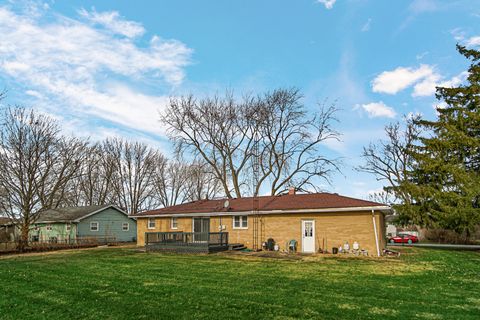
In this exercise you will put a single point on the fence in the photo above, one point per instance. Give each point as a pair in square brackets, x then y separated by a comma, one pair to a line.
[54, 244]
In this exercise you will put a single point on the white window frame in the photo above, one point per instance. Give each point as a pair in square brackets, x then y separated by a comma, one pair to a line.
[91, 225]
[172, 220]
[48, 227]
[68, 227]
[241, 219]
[125, 224]
[149, 225]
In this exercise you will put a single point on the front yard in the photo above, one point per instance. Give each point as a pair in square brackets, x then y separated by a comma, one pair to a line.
[116, 283]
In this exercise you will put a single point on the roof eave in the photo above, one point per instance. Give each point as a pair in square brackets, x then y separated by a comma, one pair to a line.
[383, 209]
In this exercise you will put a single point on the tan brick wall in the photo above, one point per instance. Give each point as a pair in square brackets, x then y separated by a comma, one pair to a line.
[331, 229]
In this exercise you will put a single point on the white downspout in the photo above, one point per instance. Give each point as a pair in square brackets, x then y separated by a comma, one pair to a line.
[376, 234]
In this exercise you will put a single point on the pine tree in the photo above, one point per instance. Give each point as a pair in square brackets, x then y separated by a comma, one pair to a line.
[445, 180]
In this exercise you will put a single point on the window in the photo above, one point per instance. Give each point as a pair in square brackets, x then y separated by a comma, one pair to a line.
[240, 222]
[125, 226]
[93, 226]
[48, 227]
[68, 227]
[151, 223]
[174, 223]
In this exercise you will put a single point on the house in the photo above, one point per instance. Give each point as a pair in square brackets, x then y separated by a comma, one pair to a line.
[8, 231]
[70, 223]
[317, 221]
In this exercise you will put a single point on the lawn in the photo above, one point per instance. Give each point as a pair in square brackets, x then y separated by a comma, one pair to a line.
[117, 283]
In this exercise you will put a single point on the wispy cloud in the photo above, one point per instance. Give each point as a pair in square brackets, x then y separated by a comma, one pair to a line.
[112, 21]
[378, 110]
[421, 6]
[90, 65]
[327, 3]
[366, 26]
[460, 35]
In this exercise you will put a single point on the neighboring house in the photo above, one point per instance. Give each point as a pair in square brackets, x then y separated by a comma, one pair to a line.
[390, 221]
[318, 221]
[79, 222]
[8, 231]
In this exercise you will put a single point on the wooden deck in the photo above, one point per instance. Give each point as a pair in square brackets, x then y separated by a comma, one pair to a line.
[186, 242]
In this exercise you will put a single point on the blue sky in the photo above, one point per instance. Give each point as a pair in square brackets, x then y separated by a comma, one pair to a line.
[105, 68]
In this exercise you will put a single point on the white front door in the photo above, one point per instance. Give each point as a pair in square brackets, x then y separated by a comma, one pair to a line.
[308, 236]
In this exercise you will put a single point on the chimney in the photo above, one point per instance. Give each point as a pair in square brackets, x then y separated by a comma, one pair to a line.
[291, 191]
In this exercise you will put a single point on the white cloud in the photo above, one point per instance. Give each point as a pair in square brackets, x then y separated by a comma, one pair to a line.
[460, 35]
[424, 79]
[327, 3]
[86, 70]
[366, 26]
[427, 86]
[396, 80]
[378, 109]
[473, 41]
[112, 21]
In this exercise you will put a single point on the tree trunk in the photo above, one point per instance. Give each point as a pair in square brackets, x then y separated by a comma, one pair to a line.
[23, 241]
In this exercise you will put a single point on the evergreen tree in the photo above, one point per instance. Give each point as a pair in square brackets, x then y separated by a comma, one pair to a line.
[445, 180]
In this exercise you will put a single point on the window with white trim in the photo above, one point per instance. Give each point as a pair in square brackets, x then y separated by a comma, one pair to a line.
[68, 227]
[174, 223]
[151, 223]
[48, 227]
[125, 226]
[240, 222]
[94, 226]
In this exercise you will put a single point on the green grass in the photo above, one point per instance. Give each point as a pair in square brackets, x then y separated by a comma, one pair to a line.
[119, 283]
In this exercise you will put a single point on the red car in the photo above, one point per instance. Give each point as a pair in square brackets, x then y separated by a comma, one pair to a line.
[403, 238]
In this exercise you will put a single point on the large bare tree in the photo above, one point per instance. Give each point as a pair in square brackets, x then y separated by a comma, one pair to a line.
[134, 167]
[95, 184]
[291, 141]
[36, 165]
[216, 130]
[223, 131]
[390, 159]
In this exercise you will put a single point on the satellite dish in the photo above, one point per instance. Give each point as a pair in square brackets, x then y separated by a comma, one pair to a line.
[226, 204]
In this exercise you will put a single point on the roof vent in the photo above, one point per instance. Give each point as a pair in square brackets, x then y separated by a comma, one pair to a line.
[291, 191]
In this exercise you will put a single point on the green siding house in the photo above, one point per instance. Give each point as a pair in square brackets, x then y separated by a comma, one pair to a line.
[71, 223]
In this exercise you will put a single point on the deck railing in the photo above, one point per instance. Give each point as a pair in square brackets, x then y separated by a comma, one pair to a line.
[172, 240]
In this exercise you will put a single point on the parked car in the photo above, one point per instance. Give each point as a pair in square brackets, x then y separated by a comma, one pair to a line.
[403, 238]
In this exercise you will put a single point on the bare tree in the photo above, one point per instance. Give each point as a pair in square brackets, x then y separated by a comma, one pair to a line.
[390, 160]
[95, 184]
[216, 130]
[134, 168]
[36, 165]
[291, 141]
[171, 182]
[222, 132]
[201, 183]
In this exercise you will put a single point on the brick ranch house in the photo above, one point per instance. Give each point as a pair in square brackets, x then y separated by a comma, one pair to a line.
[317, 221]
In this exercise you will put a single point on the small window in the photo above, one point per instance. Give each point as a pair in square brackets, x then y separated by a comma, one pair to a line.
[68, 227]
[151, 223]
[125, 226]
[174, 223]
[240, 222]
[93, 226]
[48, 227]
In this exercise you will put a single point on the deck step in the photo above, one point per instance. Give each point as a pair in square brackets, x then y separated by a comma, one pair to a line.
[236, 246]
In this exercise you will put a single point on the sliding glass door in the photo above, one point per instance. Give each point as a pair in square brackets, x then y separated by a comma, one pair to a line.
[201, 225]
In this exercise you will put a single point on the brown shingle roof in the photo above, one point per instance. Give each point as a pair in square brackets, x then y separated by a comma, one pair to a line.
[266, 203]
[5, 221]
